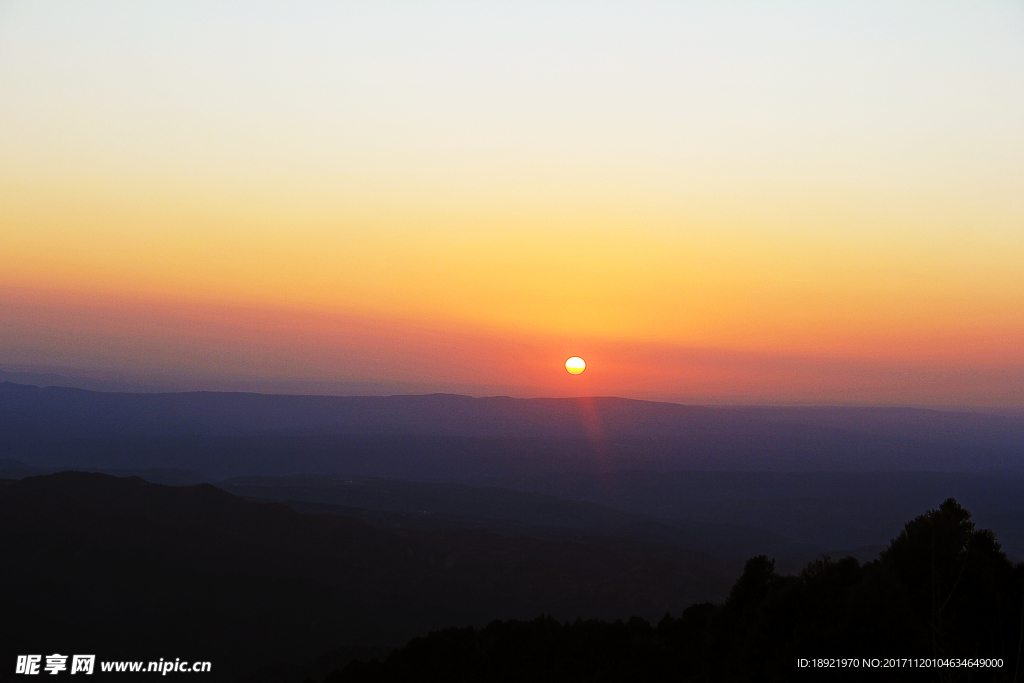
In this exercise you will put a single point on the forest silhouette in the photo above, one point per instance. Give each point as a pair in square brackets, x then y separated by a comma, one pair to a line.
[942, 590]
[131, 569]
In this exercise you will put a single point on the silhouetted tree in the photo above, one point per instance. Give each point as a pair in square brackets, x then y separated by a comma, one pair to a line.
[959, 583]
[941, 589]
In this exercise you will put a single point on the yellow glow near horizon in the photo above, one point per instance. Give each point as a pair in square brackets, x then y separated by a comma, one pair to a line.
[838, 183]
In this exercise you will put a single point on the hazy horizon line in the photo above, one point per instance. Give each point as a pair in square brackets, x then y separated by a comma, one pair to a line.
[105, 381]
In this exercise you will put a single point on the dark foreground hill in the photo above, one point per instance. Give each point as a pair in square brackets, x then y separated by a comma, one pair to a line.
[131, 570]
[792, 516]
[941, 603]
[437, 505]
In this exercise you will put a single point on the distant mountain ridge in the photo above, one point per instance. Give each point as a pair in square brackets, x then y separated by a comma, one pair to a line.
[448, 436]
[85, 412]
[602, 417]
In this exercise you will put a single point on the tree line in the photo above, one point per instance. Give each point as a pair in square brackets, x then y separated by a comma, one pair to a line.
[941, 603]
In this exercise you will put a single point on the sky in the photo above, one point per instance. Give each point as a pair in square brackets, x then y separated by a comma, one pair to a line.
[712, 202]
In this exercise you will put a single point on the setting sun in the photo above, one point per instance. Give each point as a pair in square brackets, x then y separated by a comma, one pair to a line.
[575, 365]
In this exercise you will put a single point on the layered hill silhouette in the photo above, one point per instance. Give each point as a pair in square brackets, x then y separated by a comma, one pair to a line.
[127, 569]
[444, 436]
[346, 525]
[444, 505]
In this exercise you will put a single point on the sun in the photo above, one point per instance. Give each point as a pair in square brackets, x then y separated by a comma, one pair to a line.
[575, 365]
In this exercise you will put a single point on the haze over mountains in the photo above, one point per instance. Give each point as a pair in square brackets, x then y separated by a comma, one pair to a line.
[449, 436]
[361, 521]
[816, 479]
[155, 382]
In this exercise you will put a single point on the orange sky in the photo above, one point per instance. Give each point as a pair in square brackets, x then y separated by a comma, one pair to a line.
[709, 203]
